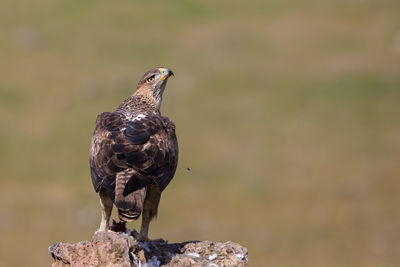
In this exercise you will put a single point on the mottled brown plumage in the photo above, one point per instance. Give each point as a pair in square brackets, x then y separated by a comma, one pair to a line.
[134, 153]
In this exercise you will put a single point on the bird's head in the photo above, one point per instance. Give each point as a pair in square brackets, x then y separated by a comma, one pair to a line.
[151, 86]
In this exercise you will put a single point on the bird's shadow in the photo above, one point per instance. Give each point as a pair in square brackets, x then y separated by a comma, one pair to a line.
[159, 250]
[162, 251]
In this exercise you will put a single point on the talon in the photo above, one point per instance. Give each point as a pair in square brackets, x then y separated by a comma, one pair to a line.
[135, 234]
[159, 240]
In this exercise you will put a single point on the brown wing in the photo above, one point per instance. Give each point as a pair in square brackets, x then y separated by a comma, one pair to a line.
[158, 158]
[147, 146]
[102, 167]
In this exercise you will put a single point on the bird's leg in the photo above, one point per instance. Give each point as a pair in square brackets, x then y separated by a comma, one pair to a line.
[106, 208]
[150, 207]
[144, 229]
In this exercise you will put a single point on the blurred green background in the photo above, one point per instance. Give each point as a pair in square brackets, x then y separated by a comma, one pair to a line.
[287, 115]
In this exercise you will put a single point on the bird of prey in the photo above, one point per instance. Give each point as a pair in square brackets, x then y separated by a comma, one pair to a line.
[134, 154]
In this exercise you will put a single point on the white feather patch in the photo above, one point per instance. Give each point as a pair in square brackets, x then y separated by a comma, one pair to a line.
[138, 117]
[146, 146]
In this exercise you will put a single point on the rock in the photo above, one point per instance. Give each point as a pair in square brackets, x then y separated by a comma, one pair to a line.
[122, 249]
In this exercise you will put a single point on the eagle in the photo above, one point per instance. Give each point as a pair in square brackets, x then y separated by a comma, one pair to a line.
[134, 154]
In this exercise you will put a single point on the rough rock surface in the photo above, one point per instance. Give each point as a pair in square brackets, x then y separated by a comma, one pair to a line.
[122, 249]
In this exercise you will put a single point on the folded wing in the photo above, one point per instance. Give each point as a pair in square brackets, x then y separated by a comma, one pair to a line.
[145, 145]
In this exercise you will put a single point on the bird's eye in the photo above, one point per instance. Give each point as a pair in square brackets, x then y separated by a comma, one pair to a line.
[150, 80]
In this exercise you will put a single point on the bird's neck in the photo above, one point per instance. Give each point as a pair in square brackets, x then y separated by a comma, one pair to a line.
[140, 102]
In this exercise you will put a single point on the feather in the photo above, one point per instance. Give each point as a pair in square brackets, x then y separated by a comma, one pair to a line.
[133, 148]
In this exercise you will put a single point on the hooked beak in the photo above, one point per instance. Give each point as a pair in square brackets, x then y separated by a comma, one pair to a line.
[165, 74]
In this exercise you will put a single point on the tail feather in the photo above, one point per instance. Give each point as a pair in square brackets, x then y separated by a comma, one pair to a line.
[128, 215]
[130, 207]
